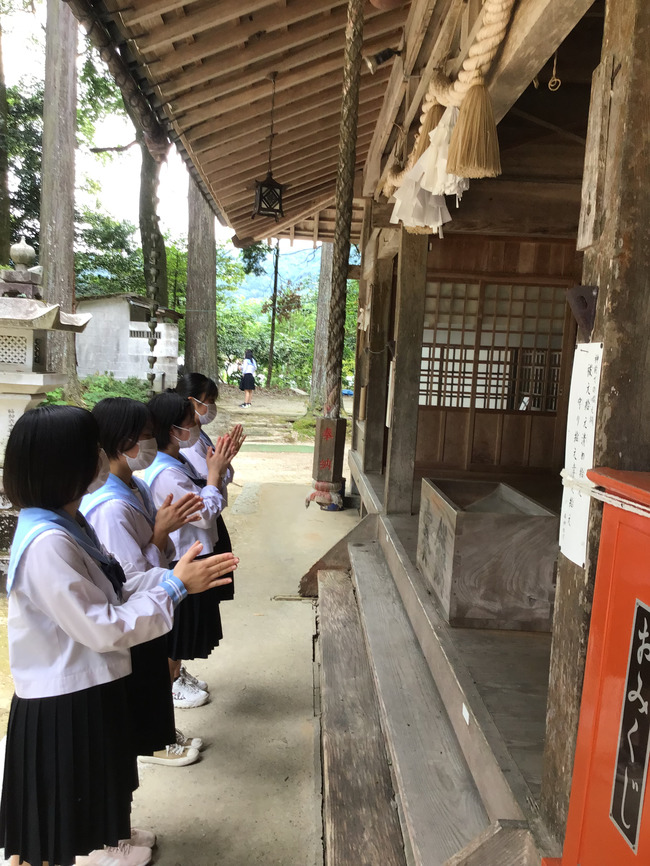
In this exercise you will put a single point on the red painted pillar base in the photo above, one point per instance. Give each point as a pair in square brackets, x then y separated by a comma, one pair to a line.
[328, 463]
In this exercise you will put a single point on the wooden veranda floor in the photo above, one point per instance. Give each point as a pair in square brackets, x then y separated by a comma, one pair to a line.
[510, 670]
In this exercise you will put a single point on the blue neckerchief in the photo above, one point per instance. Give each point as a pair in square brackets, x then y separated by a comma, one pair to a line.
[34, 521]
[206, 439]
[115, 488]
[166, 461]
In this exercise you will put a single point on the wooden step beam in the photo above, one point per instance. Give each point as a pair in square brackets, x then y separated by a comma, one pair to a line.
[442, 809]
[504, 843]
[360, 822]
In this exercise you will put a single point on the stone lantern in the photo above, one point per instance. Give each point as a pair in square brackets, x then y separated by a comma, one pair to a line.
[24, 379]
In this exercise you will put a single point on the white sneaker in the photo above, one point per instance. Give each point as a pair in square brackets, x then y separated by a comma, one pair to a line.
[140, 838]
[171, 756]
[186, 696]
[187, 677]
[188, 742]
[124, 855]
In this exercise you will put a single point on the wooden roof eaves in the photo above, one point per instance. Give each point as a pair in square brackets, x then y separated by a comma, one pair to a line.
[302, 75]
[300, 179]
[288, 105]
[269, 228]
[299, 156]
[280, 54]
[206, 45]
[220, 146]
[207, 17]
[269, 44]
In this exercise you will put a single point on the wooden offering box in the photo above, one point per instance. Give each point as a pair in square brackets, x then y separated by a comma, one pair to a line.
[488, 553]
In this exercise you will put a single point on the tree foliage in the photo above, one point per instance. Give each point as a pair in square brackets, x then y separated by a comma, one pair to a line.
[245, 325]
[107, 258]
[24, 141]
[98, 96]
[253, 258]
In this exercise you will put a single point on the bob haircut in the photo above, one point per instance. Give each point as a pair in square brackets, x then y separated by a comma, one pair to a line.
[51, 457]
[249, 354]
[197, 385]
[168, 409]
[120, 421]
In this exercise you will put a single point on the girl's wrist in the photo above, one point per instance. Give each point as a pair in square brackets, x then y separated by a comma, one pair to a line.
[160, 539]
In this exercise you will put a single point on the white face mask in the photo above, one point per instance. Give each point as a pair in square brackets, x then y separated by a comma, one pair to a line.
[210, 412]
[194, 432]
[103, 471]
[147, 450]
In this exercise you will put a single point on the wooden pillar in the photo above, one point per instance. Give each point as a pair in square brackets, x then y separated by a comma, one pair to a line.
[201, 315]
[318, 390]
[381, 286]
[361, 345]
[57, 190]
[409, 327]
[615, 233]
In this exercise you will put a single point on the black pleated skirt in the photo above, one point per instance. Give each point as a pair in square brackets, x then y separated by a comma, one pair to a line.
[150, 697]
[69, 775]
[247, 382]
[224, 545]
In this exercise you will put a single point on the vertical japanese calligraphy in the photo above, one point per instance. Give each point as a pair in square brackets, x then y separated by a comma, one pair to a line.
[581, 429]
[634, 737]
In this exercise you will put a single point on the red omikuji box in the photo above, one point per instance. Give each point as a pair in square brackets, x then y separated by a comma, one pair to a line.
[609, 815]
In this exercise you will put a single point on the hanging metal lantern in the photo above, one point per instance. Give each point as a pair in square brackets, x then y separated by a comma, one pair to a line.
[268, 192]
[268, 198]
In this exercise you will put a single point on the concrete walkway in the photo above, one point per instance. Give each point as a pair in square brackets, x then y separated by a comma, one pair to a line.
[254, 798]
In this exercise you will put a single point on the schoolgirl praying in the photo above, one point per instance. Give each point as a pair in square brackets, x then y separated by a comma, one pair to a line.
[197, 621]
[69, 770]
[125, 519]
[202, 393]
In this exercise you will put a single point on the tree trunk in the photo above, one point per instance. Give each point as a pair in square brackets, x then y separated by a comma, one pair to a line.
[318, 391]
[201, 315]
[153, 242]
[617, 248]
[274, 309]
[5, 227]
[57, 196]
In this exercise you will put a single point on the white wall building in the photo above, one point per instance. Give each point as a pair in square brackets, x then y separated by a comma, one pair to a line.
[116, 339]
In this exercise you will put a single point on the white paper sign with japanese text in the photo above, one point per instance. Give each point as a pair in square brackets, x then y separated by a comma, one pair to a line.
[581, 430]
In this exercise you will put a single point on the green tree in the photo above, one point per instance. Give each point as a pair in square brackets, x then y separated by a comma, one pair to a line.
[254, 257]
[24, 141]
[21, 132]
[107, 258]
[98, 96]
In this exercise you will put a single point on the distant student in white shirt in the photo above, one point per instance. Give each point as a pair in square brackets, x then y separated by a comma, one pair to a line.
[197, 622]
[202, 393]
[125, 519]
[69, 769]
[247, 384]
